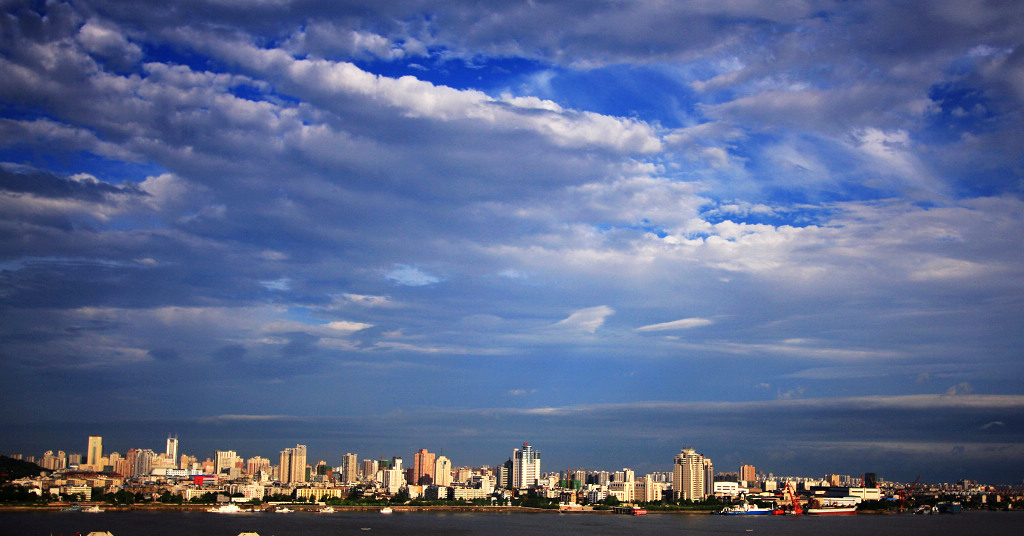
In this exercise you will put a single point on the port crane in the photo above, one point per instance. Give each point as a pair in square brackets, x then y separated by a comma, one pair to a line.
[905, 492]
[792, 497]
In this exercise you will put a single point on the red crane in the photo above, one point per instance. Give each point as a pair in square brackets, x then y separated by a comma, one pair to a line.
[792, 497]
[903, 493]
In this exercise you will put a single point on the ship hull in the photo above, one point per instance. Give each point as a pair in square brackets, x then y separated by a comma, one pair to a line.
[831, 511]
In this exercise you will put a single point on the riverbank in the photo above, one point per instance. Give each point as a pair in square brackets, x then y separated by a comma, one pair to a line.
[312, 509]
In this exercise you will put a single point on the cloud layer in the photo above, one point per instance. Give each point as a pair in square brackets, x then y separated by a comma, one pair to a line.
[638, 207]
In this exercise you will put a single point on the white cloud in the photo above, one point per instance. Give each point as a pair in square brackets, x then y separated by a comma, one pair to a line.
[281, 284]
[586, 320]
[683, 323]
[347, 326]
[368, 300]
[411, 276]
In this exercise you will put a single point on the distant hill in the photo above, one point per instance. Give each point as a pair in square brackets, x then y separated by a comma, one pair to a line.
[11, 469]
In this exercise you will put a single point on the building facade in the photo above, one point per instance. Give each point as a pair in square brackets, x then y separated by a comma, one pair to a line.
[293, 465]
[689, 472]
[525, 467]
[423, 467]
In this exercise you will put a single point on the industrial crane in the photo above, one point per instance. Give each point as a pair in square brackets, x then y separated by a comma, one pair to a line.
[904, 493]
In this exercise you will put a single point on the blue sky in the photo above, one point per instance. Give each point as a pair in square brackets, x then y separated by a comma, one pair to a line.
[785, 234]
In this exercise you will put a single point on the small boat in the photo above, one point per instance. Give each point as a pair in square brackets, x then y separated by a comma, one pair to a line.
[283, 510]
[744, 509]
[838, 511]
[327, 510]
[229, 508]
[386, 510]
[92, 509]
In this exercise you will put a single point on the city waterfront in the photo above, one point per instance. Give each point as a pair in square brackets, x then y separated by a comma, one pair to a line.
[499, 524]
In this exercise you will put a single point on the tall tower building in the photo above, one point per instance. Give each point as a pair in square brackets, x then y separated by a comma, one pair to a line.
[350, 467]
[293, 464]
[688, 476]
[172, 448]
[225, 460]
[423, 467]
[369, 469]
[443, 471]
[747, 473]
[709, 478]
[525, 467]
[94, 456]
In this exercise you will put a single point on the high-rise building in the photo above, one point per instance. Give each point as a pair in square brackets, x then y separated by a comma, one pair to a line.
[94, 456]
[747, 473]
[293, 465]
[225, 460]
[525, 467]
[172, 448]
[141, 461]
[350, 467]
[256, 464]
[689, 472]
[442, 471]
[709, 478]
[369, 469]
[396, 463]
[423, 467]
[392, 480]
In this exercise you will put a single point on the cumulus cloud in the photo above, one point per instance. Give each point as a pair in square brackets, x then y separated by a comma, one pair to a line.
[263, 190]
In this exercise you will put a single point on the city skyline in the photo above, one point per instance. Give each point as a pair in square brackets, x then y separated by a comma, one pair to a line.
[788, 233]
[690, 472]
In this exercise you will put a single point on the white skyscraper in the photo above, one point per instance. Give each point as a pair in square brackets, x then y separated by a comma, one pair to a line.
[293, 464]
[350, 467]
[225, 460]
[689, 473]
[525, 467]
[172, 449]
[442, 471]
[94, 456]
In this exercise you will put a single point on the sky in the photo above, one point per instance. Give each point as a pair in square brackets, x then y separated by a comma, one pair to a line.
[781, 233]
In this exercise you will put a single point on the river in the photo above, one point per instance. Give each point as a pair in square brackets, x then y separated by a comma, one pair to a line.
[134, 523]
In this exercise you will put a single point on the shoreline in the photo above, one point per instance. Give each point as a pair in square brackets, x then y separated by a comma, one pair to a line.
[305, 509]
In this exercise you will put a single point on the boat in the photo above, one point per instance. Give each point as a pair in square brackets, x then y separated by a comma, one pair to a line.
[229, 508]
[386, 510]
[832, 511]
[327, 510]
[283, 510]
[744, 509]
[630, 510]
[830, 507]
[92, 509]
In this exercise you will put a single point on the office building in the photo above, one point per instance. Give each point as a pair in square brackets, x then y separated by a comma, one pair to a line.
[172, 448]
[747, 474]
[525, 467]
[423, 468]
[350, 468]
[94, 456]
[442, 471]
[689, 476]
[225, 460]
[293, 465]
